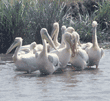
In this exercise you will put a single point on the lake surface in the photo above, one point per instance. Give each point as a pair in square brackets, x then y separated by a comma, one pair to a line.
[86, 85]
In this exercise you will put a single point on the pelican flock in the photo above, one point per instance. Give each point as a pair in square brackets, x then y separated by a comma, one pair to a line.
[52, 55]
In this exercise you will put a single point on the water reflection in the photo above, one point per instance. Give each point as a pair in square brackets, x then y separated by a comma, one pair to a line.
[92, 70]
[23, 74]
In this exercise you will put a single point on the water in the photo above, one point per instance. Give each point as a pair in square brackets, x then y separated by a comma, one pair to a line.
[86, 85]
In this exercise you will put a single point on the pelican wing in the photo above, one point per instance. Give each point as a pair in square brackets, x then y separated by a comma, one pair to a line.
[24, 47]
[26, 50]
[29, 59]
[102, 52]
[53, 59]
[81, 54]
[38, 47]
[84, 55]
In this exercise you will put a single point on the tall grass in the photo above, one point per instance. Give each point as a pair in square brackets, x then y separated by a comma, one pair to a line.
[44, 14]
[12, 18]
[83, 25]
[103, 13]
[25, 18]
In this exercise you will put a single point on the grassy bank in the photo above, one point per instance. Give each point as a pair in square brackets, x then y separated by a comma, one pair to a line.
[25, 18]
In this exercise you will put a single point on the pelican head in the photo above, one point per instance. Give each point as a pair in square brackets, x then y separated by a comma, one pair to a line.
[70, 38]
[63, 29]
[70, 29]
[45, 35]
[55, 29]
[17, 42]
[94, 24]
[67, 37]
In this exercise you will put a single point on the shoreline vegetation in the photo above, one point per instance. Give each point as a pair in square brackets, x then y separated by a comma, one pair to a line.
[25, 18]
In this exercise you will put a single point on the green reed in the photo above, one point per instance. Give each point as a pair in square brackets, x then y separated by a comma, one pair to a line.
[25, 18]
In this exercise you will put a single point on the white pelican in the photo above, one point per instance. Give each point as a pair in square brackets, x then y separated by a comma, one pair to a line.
[76, 36]
[94, 52]
[47, 62]
[86, 45]
[54, 34]
[64, 53]
[72, 31]
[63, 29]
[39, 47]
[26, 62]
[20, 59]
[78, 58]
[26, 48]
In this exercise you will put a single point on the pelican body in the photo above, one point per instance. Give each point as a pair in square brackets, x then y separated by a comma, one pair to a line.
[23, 62]
[54, 34]
[26, 48]
[79, 60]
[47, 62]
[76, 35]
[63, 29]
[27, 62]
[79, 57]
[39, 47]
[95, 53]
[64, 53]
